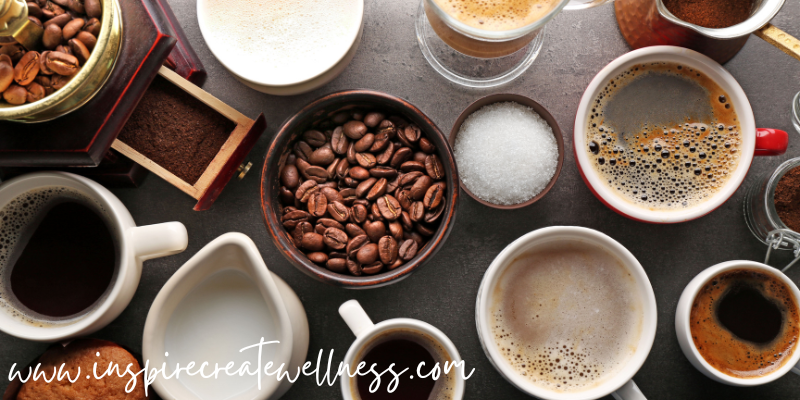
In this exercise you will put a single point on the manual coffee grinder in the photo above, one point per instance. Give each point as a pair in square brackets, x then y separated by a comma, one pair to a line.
[649, 23]
[15, 27]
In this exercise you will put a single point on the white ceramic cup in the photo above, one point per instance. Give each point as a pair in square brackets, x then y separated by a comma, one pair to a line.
[367, 333]
[684, 333]
[135, 244]
[621, 385]
[754, 141]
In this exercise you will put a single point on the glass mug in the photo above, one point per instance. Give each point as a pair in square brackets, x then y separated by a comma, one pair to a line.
[480, 58]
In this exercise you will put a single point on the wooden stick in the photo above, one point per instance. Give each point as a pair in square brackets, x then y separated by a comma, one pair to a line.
[780, 39]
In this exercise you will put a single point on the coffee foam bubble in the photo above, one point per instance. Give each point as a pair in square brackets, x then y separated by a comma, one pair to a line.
[280, 41]
[567, 316]
[18, 218]
[497, 15]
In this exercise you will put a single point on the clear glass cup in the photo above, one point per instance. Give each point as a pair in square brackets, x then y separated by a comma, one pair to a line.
[762, 217]
[481, 58]
[796, 112]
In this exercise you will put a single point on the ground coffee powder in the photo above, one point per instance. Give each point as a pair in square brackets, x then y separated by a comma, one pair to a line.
[787, 199]
[176, 131]
[711, 13]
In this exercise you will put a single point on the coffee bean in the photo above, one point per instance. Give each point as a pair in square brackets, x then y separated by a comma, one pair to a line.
[367, 254]
[35, 21]
[380, 142]
[27, 68]
[89, 40]
[329, 185]
[372, 119]
[350, 182]
[355, 129]
[433, 197]
[420, 187]
[366, 160]
[412, 133]
[6, 76]
[337, 254]
[354, 230]
[419, 157]
[320, 229]
[339, 211]
[383, 172]
[358, 214]
[317, 204]
[337, 265]
[322, 156]
[364, 187]
[15, 94]
[72, 28]
[432, 216]
[332, 168]
[335, 238]
[348, 194]
[59, 81]
[404, 198]
[355, 244]
[34, 10]
[297, 216]
[342, 168]
[302, 166]
[339, 142]
[400, 156]
[397, 263]
[317, 174]
[405, 220]
[286, 196]
[408, 249]
[417, 211]
[290, 177]
[331, 194]
[434, 167]
[35, 92]
[354, 267]
[314, 138]
[330, 223]
[389, 127]
[300, 230]
[386, 156]
[312, 241]
[93, 27]
[393, 184]
[341, 117]
[390, 207]
[374, 213]
[387, 249]
[373, 268]
[60, 20]
[62, 63]
[415, 236]
[305, 190]
[410, 166]
[424, 230]
[359, 173]
[427, 146]
[378, 189]
[318, 257]
[364, 143]
[302, 150]
[351, 154]
[93, 8]
[375, 230]
[396, 230]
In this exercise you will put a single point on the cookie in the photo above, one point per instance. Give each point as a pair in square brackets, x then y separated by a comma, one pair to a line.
[83, 354]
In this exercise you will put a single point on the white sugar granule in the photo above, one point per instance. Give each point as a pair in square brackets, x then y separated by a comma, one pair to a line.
[506, 153]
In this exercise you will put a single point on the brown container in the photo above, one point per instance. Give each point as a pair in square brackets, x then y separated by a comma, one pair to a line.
[504, 97]
[312, 115]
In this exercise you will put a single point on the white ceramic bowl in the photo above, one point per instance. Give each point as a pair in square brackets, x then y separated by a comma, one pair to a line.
[326, 69]
[749, 134]
[231, 251]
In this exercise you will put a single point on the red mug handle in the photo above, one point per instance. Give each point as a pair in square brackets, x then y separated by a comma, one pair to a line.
[771, 142]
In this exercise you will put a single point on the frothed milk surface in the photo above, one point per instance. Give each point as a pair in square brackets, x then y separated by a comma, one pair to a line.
[497, 15]
[279, 42]
[567, 316]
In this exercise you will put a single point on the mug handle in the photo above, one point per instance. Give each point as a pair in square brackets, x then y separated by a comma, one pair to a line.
[584, 4]
[158, 240]
[356, 318]
[629, 391]
[771, 142]
[796, 369]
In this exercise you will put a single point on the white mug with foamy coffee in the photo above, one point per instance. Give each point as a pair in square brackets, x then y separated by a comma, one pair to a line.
[567, 313]
[71, 255]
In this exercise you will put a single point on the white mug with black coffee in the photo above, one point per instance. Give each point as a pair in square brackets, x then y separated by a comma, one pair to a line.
[567, 313]
[70, 255]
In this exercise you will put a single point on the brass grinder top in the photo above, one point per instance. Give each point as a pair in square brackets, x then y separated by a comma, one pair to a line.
[15, 27]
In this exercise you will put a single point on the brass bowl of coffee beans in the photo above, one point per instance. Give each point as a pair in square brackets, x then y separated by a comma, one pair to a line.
[359, 189]
[80, 43]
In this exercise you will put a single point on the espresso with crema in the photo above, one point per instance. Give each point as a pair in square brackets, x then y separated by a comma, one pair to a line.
[499, 15]
[567, 316]
[745, 323]
[663, 136]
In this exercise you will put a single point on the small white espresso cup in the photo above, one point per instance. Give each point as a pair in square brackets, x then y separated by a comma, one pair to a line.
[621, 385]
[682, 326]
[369, 334]
[134, 244]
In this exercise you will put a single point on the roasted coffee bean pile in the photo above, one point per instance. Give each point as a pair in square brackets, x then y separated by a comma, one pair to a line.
[364, 196]
[70, 33]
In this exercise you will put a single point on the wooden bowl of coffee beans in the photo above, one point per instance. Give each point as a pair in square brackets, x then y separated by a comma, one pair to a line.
[359, 189]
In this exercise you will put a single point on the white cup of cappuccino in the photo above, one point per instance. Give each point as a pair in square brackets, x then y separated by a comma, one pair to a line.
[134, 245]
[567, 313]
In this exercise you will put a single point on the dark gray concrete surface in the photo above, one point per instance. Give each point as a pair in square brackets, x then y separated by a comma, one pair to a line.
[578, 44]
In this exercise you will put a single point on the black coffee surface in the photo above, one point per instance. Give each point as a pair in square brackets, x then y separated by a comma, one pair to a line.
[404, 354]
[749, 315]
[67, 264]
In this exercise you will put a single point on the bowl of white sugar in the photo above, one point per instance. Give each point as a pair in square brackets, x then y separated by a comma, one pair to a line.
[509, 150]
[282, 47]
